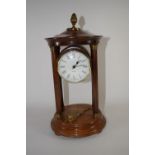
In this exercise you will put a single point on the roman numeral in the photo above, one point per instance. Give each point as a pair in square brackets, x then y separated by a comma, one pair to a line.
[63, 72]
[68, 57]
[68, 75]
[74, 77]
[79, 57]
[83, 60]
[85, 66]
[84, 72]
[73, 55]
[62, 66]
[63, 60]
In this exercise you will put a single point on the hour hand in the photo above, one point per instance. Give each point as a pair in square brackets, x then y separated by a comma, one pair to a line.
[74, 66]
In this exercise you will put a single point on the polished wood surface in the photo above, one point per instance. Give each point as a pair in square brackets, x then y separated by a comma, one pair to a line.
[94, 69]
[78, 120]
[55, 51]
[70, 37]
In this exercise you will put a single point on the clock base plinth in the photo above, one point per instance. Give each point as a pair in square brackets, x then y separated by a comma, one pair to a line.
[78, 120]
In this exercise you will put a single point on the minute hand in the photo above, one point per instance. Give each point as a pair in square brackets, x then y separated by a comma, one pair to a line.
[82, 66]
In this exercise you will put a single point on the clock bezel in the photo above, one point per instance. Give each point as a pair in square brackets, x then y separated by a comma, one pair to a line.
[79, 49]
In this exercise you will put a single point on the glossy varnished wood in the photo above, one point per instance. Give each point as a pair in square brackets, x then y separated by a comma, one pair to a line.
[69, 37]
[84, 124]
[55, 51]
[94, 71]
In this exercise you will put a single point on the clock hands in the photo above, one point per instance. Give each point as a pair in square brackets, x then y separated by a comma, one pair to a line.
[82, 66]
[76, 65]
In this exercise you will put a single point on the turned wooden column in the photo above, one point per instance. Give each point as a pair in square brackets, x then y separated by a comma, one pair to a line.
[94, 71]
[55, 50]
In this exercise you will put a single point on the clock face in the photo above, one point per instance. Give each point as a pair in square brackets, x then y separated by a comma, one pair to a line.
[74, 66]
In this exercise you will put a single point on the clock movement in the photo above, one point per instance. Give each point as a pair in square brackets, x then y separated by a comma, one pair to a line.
[73, 63]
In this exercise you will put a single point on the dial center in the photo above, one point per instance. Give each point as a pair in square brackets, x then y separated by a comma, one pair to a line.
[74, 66]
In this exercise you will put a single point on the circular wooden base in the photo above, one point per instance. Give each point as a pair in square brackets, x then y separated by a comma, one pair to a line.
[78, 120]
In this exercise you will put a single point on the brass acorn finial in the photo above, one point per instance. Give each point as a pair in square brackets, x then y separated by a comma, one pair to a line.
[73, 20]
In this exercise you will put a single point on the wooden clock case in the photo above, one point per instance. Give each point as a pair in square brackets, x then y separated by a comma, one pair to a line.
[76, 120]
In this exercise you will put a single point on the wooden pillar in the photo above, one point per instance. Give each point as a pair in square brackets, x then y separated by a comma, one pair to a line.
[55, 50]
[94, 71]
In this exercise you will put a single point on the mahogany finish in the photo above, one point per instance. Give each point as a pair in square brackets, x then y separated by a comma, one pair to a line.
[94, 70]
[78, 120]
[55, 50]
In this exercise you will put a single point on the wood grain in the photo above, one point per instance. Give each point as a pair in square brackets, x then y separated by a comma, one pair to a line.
[85, 125]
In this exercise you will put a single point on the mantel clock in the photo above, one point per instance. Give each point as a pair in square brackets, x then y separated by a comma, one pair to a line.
[72, 62]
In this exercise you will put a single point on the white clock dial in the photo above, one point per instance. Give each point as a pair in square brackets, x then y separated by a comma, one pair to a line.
[74, 66]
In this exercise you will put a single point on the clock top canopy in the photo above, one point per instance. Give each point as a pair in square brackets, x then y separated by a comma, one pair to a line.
[73, 36]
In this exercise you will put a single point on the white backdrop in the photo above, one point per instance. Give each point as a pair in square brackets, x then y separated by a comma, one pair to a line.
[109, 18]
